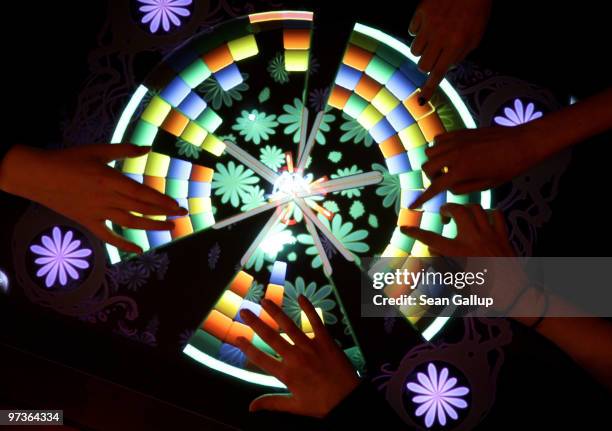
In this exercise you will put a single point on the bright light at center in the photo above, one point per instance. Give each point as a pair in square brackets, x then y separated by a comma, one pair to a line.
[292, 184]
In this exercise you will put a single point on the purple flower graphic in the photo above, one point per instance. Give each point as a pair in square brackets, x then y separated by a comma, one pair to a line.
[60, 257]
[518, 115]
[164, 12]
[437, 395]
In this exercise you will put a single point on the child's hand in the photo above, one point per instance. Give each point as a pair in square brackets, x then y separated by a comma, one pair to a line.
[446, 31]
[476, 234]
[316, 371]
[78, 183]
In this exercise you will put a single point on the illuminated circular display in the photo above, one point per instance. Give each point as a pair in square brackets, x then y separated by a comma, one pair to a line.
[233, 140]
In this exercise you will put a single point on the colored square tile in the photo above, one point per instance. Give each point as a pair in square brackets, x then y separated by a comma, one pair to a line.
[175, 92]
[229, 77]
[348, 77]
[156, 111]
[205, 342]
[241, 283]
[296, 39]
[199, 205]
[382, 131]
[194, 134]
[390, 55]
[177, 189]
[244, 47]
[248, 305]
[398, 164]
[434, 204]
[201, 173]
[217, 324]
[157, 238]
[412, 137]
[338, 97]
[192, 106]
[400, 86]
[369, 117]
[411, 180]
[401, 241]
[408, 197]
[416, 110]
[431, 126]
[279, 270]
[195, 74]
[384, 101]
[218, 58]
[355, 105]
[135, 165]
[391, 147]
[400, 118]
[209, 120]
[229, 304]
[432, 222]
[175, 123]
[182, 227]
[417, 157]
[143, 134]
[156, 183]
[202, 221]
[179, 169]
[213, 145]
[275, 293]
[198, 189]
[380, 70]
[138, 237]
[367, 87]
[356, 57]
[296, 60]
[408, 218]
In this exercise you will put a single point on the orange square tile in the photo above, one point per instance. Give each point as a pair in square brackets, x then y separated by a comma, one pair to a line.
[367, 88]
[339, 97]
[218, 58]
[217, 324]
[201, 174]
[417, 111]
[357, 58]
[241, 284]
[175, 123]
[156, 183]
[236, 330]
[182, 227]
[274, 293]
[391, 147]
[408, 217]
[296, 39]
[431, 126]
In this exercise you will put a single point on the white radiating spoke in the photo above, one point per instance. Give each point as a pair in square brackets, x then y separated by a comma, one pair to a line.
[319, 246]
[274, 219]
[251, 162]
[345, 183]
[250, 213]
[330, 236]
[311, 141]
[303, 132]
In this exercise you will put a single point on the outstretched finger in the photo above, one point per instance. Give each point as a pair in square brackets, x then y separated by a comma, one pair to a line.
[270, 336]
[261, 359]
[438, 185]
[110, 237]
[110, 152]
[131, 221]
[314, 319]
[285, 323]
[434, 241]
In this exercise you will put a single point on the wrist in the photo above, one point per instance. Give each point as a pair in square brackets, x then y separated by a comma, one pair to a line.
[17, 168]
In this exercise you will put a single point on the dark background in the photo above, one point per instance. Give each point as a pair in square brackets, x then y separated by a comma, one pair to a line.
[103, 379]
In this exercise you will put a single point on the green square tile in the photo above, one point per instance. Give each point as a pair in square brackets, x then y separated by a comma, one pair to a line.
[202, 221]
[364, 41]
[412, 180]
[380, 70]
[205, 342]
[417, 157]
[401, 241]
[209, 120]
[195, 73]
[138, 237]
[355, 105]
[143, 134]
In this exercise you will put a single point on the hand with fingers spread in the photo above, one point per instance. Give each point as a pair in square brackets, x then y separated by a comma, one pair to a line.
[469, 160]
[446, 31]
[316, 371]
[78, 183]
[477, 234]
